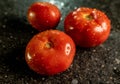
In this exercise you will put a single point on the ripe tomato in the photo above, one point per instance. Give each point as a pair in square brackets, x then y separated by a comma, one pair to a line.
[43, 15]
[50, 52]
[88, 27]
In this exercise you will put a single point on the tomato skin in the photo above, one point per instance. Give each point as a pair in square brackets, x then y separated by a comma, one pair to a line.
[88, 27]
[43, 16]
[50, 52]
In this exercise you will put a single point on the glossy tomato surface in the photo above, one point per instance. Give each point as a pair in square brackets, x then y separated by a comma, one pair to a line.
[43, 15]
[50, 52]
[87, 26]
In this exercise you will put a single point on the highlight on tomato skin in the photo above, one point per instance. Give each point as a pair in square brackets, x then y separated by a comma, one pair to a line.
[88, 27]
[43, 15]
[50, 52]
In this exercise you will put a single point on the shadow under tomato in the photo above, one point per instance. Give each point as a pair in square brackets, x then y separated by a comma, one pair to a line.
[14, 37]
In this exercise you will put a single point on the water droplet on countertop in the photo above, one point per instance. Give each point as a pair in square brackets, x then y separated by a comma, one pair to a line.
[62, 4]
[71, 65]
[117, 60]
[111, 78]
[114, 68]
[116, 52]
[43, 78]
[5, 76]
[5, 13]
[61, 18]
[4, 26]
[11, 36]
[94, 50]
[58, 3]
[102, 46]
[74, 81]
[102, 66]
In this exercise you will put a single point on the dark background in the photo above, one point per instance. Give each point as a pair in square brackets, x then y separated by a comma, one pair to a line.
[98, 65]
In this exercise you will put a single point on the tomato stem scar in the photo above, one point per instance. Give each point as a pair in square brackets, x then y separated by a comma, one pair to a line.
[88, 16]
[48, 45]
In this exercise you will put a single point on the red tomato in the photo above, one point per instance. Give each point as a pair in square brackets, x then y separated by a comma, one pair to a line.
[88, 27]
[43, 16]
[50, 52]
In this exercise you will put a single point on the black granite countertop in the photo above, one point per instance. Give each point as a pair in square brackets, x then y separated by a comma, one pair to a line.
[98, 65]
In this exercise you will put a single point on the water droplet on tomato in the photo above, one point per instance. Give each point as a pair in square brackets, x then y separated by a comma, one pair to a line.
[74, 13]
[29, 56]
[74, 81]
[78, 9]
[71, 28]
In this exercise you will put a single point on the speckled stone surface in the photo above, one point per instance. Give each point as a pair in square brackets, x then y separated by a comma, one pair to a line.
[99, 65]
